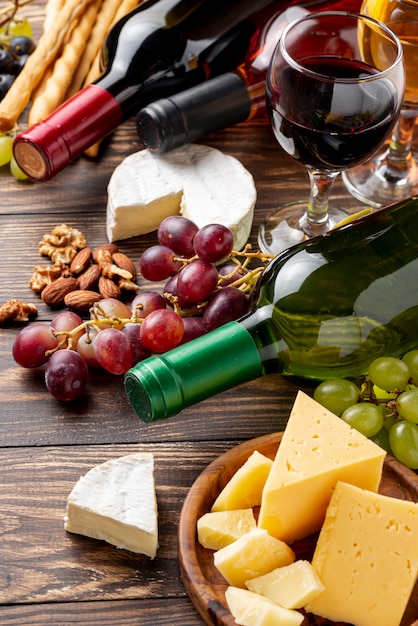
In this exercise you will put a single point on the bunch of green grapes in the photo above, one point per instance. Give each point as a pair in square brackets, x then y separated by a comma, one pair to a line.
[383, 406]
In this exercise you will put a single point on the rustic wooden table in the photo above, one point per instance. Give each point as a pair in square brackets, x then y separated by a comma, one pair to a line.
[48, 576]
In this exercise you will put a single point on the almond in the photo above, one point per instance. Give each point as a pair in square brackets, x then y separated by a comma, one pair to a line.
[125, 263]
[81, 261]
[90, 278]
[81, 300]
[108, 288]
[54, 294]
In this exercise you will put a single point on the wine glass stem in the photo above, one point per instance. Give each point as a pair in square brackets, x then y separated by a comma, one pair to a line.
[400, 152]
[316, 222]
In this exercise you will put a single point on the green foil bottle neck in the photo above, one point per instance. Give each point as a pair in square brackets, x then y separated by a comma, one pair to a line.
[161, 386]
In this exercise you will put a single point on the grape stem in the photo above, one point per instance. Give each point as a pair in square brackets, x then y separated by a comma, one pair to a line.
[8, 13]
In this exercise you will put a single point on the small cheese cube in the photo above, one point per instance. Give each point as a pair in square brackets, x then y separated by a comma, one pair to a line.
[245, 488]
[317, 450]
[252, 555]
[366, 557]
[250, 609]
[219, 529]
[291, 586]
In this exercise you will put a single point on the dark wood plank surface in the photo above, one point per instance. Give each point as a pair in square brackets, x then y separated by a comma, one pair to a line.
[48, 576]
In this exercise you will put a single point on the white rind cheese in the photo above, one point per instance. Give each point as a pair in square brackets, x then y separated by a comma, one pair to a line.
[196, 181]
[116, 502]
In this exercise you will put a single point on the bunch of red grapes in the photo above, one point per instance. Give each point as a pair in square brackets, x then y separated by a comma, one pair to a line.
[206, 285]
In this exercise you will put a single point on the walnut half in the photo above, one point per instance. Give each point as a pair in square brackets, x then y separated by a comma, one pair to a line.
[17, 310]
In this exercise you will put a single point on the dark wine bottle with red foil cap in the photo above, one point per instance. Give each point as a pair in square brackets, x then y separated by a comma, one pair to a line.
[161, 48]
[228, 99]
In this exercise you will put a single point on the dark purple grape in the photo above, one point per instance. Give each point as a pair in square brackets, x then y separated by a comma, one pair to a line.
[147, 301]
[19, 64]
[171, 289]
[177, 232]
[232, 272]
[193, 328]
[197, 281]
[21, 45]
[133, 332]
[225, 306]
[66, 375]
[6, 61]
[6, 81]
[32, 343]
[213, 243]
[158, 263]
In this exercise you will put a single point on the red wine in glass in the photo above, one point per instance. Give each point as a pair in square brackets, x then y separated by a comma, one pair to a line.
[309, 130]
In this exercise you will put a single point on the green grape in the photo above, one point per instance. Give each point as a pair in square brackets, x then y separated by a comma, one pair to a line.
[411, 359]
[6, 142]
[381, 394]
[382, 439]
[16, 171]
[389, 373]
[407, 405]
[17, 26]
[365, 417]
[389, 422]
[337, 394]
[403, 439]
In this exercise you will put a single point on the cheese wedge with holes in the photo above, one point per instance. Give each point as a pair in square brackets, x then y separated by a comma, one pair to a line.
[196, 181]
[251, 609]
[317, 450]
[246, 486]
[366, 557]
[218, 529]
[116, 502]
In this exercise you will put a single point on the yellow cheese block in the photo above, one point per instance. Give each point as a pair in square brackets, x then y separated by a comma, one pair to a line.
[366, 557]
[317, 450]
[291, 586]
[219, 529]
[246, 486]
[251, 609]
[253, 554]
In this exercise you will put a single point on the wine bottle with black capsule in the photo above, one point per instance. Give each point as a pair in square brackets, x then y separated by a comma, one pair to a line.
[325, 308]
[161, 48]
[229, 98]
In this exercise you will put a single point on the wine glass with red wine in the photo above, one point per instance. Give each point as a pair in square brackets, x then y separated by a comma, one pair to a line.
[335, 86]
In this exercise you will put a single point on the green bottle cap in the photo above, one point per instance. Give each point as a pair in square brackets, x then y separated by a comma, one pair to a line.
[161, 386]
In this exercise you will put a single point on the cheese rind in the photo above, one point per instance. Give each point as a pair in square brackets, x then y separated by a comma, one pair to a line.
[252, 555]
[245, 487]
[317, 450]
[218, 529]
[251, 609]
[366, 557]
[196, 181]
[116, 502]
[292, 586]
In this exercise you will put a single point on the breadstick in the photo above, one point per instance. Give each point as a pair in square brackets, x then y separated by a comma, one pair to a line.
[52, 9]
[125, 7]
[53, 91]
[94, 44]
[48, 46]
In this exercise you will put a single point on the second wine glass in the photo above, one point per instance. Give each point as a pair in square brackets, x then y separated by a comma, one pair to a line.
[332, 103]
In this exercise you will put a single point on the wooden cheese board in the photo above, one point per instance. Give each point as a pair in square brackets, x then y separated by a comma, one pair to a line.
[204, 584]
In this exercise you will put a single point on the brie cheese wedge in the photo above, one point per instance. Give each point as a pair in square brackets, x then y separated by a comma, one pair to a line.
[196, 181]
[116, 502]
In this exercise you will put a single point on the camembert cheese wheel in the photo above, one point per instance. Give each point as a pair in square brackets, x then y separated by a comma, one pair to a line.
[116, 502]
[196, 181]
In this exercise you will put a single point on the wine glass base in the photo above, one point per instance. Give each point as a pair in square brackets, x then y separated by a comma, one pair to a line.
[378, 184]
[288, 226]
